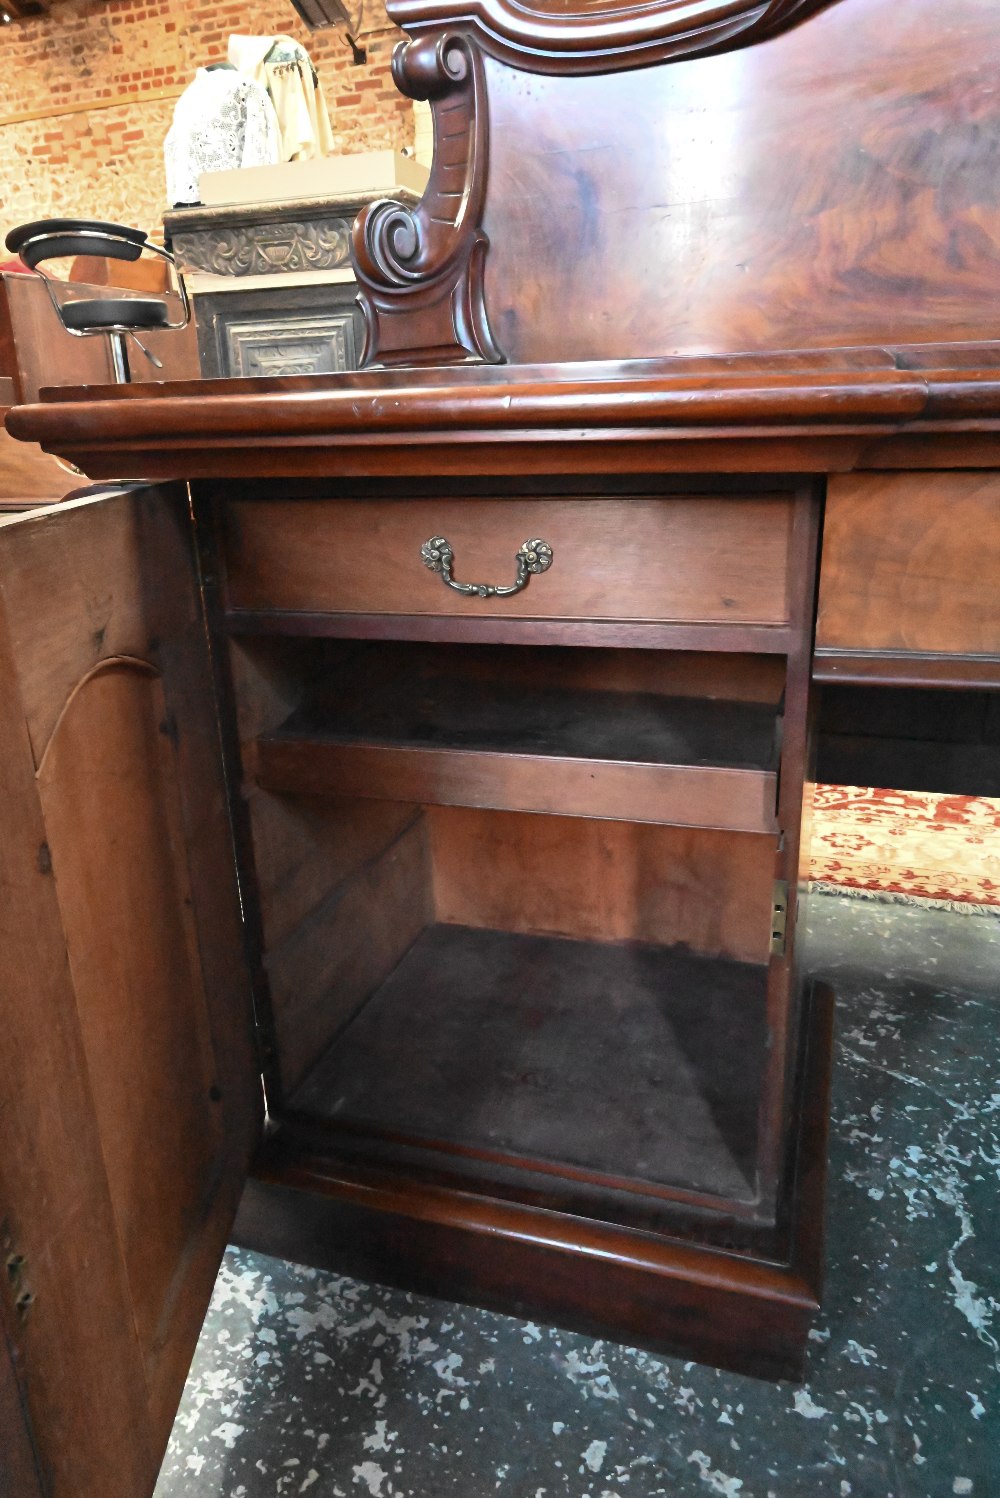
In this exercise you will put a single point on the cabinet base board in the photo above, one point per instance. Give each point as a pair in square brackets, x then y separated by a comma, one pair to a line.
[735, 1311]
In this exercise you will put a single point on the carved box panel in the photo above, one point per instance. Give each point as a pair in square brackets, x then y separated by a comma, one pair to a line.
[300, 345]
[279, 331]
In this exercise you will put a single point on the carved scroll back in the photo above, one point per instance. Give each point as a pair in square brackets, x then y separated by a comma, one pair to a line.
[421, 270]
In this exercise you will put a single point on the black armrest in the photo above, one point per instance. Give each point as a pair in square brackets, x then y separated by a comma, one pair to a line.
[47, 238]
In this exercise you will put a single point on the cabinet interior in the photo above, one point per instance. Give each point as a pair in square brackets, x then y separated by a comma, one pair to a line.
[486, 962]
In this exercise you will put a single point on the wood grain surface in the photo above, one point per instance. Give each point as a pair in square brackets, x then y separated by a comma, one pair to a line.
[334, 959]
[19, 1473]
[609, 881]
[78, 1336]
[910, 563]
[110, 800]
[901, 668]
[306, 846]
[130, 998]
[833, 186]
[684, 795]
[701, 560]
[29, 477]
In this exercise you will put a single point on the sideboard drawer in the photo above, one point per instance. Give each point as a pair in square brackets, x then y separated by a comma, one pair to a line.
[910, 564]
[694, 559]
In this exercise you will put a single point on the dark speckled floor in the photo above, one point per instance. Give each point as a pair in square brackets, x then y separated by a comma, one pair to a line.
[304, 1383]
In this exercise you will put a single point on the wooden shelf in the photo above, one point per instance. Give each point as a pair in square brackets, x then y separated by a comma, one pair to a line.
[632, 634]
[442, 740]
[595, 1061]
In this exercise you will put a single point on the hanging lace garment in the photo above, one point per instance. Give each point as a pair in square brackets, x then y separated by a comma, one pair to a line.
[221, 120]
[283, 67]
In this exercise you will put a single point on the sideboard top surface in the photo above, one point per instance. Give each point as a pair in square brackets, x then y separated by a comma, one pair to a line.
[687, 235]
[788, 411]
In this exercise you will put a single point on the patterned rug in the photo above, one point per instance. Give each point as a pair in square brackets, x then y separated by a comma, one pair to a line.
[907, 846]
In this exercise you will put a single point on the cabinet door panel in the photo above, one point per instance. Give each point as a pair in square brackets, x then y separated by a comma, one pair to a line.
[129, 1086]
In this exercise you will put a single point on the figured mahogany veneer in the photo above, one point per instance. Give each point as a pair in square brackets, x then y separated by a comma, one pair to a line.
[910, 564]
[772, 197]
[826, 223]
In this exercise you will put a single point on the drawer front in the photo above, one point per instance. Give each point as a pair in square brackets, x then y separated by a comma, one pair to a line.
[911, 563]
[697, 559]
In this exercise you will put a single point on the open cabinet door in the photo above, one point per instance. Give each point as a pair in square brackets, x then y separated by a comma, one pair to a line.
[130, 1098]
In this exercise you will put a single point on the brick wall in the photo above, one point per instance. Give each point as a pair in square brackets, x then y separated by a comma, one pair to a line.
[119, 57]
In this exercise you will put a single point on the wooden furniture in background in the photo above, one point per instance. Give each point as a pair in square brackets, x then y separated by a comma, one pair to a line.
[28, 477]
[267, 258]
[37, 351]
[146, 275]
[272, 283]
[544, 1050]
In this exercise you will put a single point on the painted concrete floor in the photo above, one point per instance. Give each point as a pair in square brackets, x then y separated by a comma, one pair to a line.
[309, 1383]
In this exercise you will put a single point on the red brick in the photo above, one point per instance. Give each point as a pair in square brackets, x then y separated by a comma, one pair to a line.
[111, 159]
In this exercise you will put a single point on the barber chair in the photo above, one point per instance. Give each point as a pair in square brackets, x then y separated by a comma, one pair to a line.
[118, 317]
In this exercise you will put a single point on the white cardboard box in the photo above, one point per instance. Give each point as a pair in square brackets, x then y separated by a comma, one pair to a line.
[361, 174]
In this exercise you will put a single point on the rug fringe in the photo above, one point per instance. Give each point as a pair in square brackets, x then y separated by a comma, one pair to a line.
[896, 897]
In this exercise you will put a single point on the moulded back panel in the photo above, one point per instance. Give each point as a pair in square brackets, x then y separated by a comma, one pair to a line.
[837, 184]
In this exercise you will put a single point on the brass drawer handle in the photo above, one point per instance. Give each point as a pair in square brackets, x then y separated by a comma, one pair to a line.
[533, 557]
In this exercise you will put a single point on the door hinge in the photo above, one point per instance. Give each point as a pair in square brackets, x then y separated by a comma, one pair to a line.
[779, 917]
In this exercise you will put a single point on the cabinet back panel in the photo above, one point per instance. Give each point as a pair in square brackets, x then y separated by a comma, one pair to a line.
[607, 881]
[701, 560]
[673, 673]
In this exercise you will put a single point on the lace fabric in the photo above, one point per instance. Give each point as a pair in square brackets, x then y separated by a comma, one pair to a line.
[282, 66]
[221, 121]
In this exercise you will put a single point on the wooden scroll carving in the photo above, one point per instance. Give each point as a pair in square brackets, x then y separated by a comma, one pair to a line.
[420, 269]
[604, 36]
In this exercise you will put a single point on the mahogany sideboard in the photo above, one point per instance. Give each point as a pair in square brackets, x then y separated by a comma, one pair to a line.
[434, 741]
